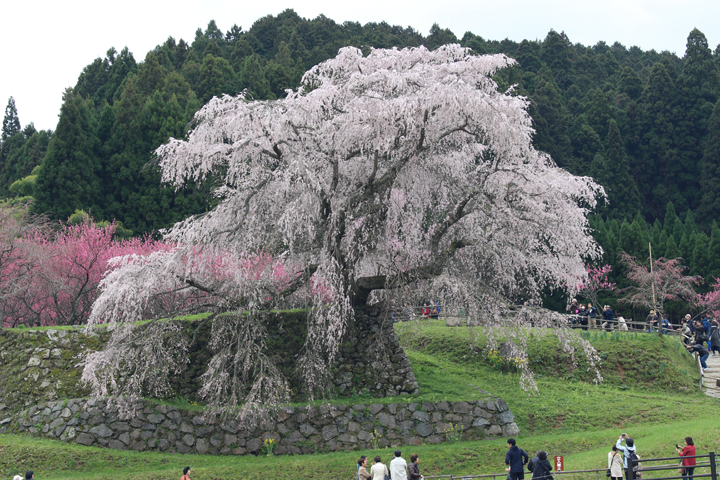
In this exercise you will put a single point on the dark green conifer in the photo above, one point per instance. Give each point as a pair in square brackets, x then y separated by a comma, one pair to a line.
[253, 78]
[69, 179]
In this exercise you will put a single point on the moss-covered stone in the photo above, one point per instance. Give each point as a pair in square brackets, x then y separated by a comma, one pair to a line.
[41, 366]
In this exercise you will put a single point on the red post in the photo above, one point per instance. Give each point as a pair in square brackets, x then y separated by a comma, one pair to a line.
[559, 464]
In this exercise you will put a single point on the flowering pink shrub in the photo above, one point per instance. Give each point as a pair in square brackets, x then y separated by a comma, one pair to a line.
[667, 281]
[710, 302]
[596, 282]
[62, 272]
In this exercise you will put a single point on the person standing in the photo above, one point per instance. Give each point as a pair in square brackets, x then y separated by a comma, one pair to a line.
[629, 451]
[379, 470]
[540, 466]
[414, 467]
[615, 463]
[592, 315]
[688, 463]
[29, 475]
[715, 337]
[398, 467]
[357, 467]
[583, 317]
[363, 474]
[186, 474]
[608, 317]
[666, 326]
[515, 458]
[706, 328]
[652, 322]
[685, 329]
[622, 325]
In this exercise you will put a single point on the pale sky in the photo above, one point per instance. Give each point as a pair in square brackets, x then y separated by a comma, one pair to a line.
[45, 44]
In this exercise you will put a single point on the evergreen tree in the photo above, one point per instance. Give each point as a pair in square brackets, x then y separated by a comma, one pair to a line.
[689, 225]
[662, 245]
[586, 144]
[630, 83]
[527, 56]
[552, 133]
[253, 78]
[11, 122]
[22, 161]
[216, 78]
[671, 249]
[710, 180]
[685, 248]
[69, 178]
[713, 267]
[670, 218]
[623, 192]
[659, 163]
[632, 240]
[698, 87]
[440, 36]
[11, 140]
[557, 54]
[698, 265]
[598, 112]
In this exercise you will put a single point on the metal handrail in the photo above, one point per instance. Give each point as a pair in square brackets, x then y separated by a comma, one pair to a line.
[711, 463]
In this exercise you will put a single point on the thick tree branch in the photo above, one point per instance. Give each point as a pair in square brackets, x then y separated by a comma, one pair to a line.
[430, 270]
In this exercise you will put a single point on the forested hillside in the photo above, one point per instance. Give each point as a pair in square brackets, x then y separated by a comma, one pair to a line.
[645, 124]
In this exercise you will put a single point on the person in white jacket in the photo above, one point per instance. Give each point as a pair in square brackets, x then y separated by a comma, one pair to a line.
[378, 470]
[398, 467]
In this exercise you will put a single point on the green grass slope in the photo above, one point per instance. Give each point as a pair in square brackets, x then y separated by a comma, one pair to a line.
[569, 416]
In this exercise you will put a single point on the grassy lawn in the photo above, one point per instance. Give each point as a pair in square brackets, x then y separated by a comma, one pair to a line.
[657, 403]
[582, 450]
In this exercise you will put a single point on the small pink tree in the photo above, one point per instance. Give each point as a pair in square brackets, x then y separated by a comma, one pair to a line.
[596, 282]
[667, 281]
[710, 302]
[19, 258]
[56, 275]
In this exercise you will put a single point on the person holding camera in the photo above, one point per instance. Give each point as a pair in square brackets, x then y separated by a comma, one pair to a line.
[688, 464]
[630, 458]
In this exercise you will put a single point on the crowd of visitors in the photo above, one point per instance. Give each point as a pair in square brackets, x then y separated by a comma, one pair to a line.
[399, 468]
[429, 309]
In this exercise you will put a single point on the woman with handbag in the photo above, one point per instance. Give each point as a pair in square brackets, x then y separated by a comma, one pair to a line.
[379, 471]
[687, 467]
[615, 464]
[540, 466]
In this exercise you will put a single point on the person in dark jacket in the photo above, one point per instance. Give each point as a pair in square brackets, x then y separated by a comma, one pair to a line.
[515, 458]
[702, 353]
[706, 325]
[592, 315]
[540, 466]
[414, 468]
[715, 336]
[608, 317]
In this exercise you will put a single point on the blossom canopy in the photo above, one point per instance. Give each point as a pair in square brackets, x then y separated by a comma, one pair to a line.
[396, 171]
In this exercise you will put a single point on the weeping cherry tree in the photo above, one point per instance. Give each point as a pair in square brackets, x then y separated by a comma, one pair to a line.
[393, 174]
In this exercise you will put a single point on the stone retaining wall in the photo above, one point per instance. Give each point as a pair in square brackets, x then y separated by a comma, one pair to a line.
[297, 430]
[39, 366]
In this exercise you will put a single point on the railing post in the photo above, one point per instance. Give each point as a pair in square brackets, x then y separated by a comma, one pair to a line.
[713, 466]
